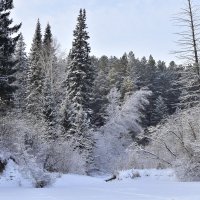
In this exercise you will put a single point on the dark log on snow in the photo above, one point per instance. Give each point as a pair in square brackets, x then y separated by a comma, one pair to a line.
[112, 178]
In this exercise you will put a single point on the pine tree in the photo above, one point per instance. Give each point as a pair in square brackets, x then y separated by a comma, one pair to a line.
[114, 77]
[122, 71]
[35, 75]
[160, 112]
[169, 88]
[101, 90]
[49, 113]
[127, 86]
[7, 48]
[140, 73]
[21, 75]
[47, 42]
[118, 71]
[48, 60]
[76, 107]
[147, 75]
[189, 79]
[48, 57]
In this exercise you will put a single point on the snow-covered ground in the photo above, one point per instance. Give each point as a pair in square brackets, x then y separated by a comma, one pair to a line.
[152, 185]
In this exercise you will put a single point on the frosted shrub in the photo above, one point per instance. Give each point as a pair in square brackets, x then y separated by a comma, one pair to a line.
[115, 136]
[42, 179]
[62, 158]
[176, 144]
[135, 175]
[23, 141]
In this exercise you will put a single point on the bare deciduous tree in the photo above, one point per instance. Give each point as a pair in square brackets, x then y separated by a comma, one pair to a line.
[189, 36]
[188, 22]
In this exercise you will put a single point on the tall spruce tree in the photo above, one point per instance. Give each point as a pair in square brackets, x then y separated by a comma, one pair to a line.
[35, 74]
[7, 48]
[48, 60]
[101, 90]
[77, 110]
[47, 42]
[21, 75]
[160, 111]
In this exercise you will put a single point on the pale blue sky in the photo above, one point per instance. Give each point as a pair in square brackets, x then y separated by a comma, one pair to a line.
[115, 26]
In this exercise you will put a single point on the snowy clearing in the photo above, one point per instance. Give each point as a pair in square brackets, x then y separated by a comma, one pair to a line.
[152, 185]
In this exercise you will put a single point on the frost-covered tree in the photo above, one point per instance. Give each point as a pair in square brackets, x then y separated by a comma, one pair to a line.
[48, 55]
[47, 41]
[118, 72]
[114, 102]
[49, 112]
[21, 75]
[101, 89]
[127, 85]
[188, 23]
[189, 42]
[176, 144]
[169, 88]
[190, 82]
[79, 81]
[35, 75]
[140, 74]
[160, 112]
[150, 76]
[59, 77]
[122, 73]
[7, 47]
[25, 145]
[123, 123]
[48, 62]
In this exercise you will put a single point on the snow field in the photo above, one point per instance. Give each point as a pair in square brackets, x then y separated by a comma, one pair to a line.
[151, 185]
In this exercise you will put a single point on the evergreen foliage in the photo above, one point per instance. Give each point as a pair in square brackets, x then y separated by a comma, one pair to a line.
[7, 47]
[47, 42]
[190, 82]
[22, 70]
[48, 61]
[35, 75]
[189, 41]
[160, 111]
[77, 104]
[85, 110]
[101, 90]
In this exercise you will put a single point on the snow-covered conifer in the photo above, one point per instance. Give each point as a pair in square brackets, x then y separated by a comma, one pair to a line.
[160, 112]
[48, 62]
[21, 75]
[7, 47]
[35, 75]
[77, 104]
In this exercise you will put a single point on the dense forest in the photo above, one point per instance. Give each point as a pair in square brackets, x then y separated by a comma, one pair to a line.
[87, 115]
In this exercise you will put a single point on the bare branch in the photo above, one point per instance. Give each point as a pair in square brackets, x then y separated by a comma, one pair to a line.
[189, 38]
[155, 156]
[180, 139]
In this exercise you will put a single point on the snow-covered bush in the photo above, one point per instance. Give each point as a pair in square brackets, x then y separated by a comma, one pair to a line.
[115, 136]
[22, 139]
[176, 144]
[63, 158]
